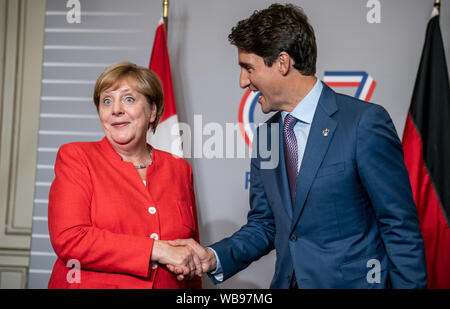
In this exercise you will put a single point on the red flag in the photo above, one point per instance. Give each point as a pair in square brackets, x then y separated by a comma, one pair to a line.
[426, 143]
[167, 135]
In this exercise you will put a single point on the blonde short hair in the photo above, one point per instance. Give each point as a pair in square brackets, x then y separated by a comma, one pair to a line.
[145, 81]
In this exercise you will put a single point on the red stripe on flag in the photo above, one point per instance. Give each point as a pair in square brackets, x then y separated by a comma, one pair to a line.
[433, 225]
[160, 64]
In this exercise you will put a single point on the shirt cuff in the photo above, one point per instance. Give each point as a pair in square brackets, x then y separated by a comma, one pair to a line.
[217, 273]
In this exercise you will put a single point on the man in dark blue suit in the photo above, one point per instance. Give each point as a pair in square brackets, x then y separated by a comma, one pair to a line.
[338, 208]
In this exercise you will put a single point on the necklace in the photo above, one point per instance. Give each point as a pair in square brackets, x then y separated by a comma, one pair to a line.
[145, 165]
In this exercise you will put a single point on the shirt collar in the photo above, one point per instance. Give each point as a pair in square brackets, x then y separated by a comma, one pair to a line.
[305, 109]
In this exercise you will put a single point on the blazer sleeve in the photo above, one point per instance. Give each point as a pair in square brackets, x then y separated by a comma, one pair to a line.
[71, 231]
[196, 282]
[256, 238]
[384, 175]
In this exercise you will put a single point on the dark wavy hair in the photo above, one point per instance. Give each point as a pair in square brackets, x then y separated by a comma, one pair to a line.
[278, 28]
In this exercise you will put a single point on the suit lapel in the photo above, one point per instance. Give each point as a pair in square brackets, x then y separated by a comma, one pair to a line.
[320, 135]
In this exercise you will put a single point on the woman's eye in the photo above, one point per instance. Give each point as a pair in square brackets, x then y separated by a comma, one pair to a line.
[107, 101]
[129, 99]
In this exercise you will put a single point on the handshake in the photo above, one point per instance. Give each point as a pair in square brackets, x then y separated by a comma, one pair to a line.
[185, 258]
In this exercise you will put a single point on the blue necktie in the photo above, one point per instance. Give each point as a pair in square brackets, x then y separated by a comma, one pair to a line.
[290, 153]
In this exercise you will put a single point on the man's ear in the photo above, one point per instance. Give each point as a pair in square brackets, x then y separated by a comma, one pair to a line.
[284, 63]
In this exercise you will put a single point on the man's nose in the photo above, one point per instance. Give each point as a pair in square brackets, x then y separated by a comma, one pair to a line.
[244, 81]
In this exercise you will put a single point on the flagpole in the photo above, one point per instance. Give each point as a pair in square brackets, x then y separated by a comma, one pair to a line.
[166, 13]
[437, 4]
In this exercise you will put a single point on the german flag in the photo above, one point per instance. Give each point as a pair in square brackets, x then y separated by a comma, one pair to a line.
[426, 143]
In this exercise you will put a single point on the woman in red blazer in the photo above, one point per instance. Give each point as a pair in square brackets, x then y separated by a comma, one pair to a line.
[115, 203]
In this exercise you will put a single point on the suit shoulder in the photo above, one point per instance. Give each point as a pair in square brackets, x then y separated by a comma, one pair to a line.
[356, 106]
[343, 100]
[78, 155]
[77, 147]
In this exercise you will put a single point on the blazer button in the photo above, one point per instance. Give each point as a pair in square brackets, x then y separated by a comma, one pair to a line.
[293, 238]
[152, 210]
[154, 236]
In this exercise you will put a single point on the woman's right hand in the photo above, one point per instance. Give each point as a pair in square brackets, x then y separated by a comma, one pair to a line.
[184, 260]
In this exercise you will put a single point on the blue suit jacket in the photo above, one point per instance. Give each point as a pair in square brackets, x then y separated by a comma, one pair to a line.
[353, 206]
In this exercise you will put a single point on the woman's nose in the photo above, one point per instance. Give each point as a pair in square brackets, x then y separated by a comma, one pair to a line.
[117, 107]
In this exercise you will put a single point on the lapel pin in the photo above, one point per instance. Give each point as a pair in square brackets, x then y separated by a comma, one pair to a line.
[325, 132]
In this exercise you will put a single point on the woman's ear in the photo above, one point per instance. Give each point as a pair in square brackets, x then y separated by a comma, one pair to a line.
[152, 114]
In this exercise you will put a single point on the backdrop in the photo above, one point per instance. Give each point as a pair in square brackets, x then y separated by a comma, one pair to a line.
[381, 50]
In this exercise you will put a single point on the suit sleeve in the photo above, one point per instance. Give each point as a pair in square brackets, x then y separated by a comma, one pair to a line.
[383, 173]
[196, 282]
[256, 238]
[71, 231]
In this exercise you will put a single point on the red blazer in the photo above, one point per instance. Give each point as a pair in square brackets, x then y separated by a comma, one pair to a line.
[101, 214]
